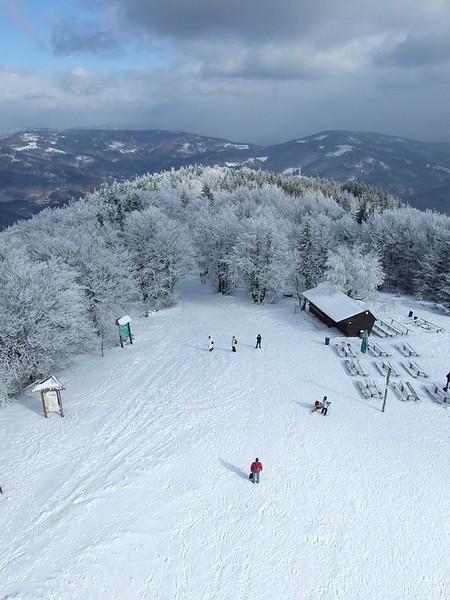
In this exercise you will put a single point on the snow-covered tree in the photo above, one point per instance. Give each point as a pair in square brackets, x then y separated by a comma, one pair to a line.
[351, 271]
[261, 253]
[215, 234]
[162, 252]
[308, 258]
[107, 277]
[45, 319]
[400, 238]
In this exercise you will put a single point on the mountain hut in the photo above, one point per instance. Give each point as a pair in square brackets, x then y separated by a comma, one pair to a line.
[335, 309]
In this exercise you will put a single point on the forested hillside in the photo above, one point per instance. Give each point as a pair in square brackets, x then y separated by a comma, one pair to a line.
[69, 273]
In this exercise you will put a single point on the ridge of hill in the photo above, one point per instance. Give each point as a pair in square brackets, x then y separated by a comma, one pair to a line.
[45, 167]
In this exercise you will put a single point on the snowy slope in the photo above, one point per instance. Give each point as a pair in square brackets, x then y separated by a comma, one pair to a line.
[141, 491]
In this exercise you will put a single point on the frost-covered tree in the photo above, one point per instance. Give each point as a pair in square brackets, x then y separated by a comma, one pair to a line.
[400, 238]
[215, 235]
[107, 277]
[45, 319]
[308, 258]
[162, 252]
[351, 271]
[260, 255]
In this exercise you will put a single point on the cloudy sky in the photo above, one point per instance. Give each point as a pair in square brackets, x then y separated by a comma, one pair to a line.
[261, 71]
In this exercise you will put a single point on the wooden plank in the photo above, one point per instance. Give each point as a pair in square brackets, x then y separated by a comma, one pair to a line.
[384, 368]
[378, 392]
[438, 395]
[400, 390]
[363, 389]
[418, 369]
[412, 352]
[413, 392]
[339, 350]
[359, 368]
[351, 367]
[409, 369]
[376, 350]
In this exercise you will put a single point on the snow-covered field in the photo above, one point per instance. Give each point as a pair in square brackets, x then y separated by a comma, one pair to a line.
[141, 491]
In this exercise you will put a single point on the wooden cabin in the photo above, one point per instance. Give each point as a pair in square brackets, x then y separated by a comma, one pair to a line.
[335, 309]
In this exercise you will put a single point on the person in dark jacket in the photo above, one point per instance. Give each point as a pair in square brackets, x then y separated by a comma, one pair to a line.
[448, 382]
[258, 341]
[255, 470]
[210, 343]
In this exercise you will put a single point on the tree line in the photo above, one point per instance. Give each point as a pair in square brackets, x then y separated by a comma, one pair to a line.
[68, 273]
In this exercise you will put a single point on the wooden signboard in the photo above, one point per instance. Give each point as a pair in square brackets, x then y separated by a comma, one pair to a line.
[124, 330]
[50, 390]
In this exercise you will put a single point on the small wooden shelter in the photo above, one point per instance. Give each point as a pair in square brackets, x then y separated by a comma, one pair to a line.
[335, 309]
[50, 390]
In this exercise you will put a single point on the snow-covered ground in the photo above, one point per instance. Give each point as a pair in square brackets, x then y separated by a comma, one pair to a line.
[141, 491]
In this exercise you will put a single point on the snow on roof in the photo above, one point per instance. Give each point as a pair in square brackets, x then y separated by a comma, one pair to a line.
[336, 305]
[51, 383]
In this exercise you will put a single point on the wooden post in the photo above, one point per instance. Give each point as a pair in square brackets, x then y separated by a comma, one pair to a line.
[386, 388]
[129, 333]
[43, 404]
[61, 409]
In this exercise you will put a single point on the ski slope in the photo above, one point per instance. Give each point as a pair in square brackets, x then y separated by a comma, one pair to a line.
[141, 491]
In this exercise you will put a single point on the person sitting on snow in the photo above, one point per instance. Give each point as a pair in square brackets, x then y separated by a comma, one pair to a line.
[318, 405]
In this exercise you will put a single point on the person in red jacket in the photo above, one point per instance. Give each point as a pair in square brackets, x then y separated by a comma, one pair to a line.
[255, 470]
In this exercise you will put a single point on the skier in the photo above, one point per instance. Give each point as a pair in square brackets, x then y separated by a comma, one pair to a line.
[255, 469]
[233, 343]
[210, 343]
[258, 341]
[448, 382]
[325, 404]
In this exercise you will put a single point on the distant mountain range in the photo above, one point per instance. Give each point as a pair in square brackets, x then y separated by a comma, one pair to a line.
[46, 167]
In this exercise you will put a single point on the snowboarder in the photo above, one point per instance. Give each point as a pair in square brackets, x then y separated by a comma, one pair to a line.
[255, 470]
[325, 404]
[258, 341]
[233, 343]
[210, 343]
[448, 382]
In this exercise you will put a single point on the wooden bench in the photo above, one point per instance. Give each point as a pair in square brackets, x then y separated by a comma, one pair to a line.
[401, 327]
[369, 389]
[344, 349]
[376, 350]
[351, 367]
[427, 325]
[438, 394]
[413, 392]
[401, 390]
[354, 367]
[385, 366]
[405, 391]
[406, 350]
[413, 369]
[379, 331]
[383, 329]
